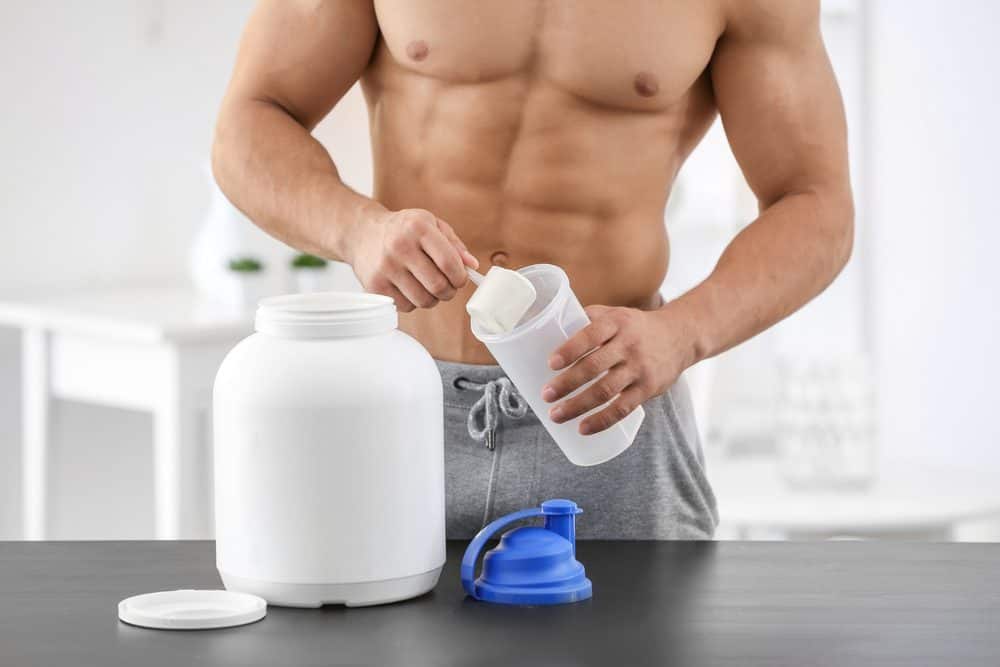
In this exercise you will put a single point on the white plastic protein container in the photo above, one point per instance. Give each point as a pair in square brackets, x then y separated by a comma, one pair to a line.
[329, 457]
[524, 352]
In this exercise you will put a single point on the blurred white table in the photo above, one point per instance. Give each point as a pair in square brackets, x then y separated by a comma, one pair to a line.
[148, 349]
[909, 501]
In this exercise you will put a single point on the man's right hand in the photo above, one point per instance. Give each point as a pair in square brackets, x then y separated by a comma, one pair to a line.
[411, 256]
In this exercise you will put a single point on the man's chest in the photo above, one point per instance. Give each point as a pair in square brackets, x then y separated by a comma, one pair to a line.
[629, 54]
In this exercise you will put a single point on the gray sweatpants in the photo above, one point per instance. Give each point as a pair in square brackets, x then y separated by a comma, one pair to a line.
[657, 489]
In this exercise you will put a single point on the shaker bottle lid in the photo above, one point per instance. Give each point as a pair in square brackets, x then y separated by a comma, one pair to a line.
[532, 565]
[192, 609]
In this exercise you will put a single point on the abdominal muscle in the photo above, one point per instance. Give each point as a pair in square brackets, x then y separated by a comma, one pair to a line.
[527, 174]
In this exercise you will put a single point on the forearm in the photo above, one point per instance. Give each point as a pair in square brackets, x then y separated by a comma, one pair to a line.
[276, 172]
[791, 253]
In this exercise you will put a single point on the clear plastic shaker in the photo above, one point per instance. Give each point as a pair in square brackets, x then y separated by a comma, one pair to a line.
[523, 353]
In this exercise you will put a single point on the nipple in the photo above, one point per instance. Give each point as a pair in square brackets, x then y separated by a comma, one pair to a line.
[646, 84]
[501, 299]
[417, 50]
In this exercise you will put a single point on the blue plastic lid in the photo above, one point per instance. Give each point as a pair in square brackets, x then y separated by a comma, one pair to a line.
[532, 565]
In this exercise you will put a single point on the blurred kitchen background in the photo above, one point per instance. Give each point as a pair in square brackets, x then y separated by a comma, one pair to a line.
[871, 413]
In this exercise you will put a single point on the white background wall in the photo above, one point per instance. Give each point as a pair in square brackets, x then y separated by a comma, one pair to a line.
[935, 305]
[105, 128]
[107, 120]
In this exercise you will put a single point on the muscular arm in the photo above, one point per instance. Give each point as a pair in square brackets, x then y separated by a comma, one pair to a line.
[784, 118]
[783, 114]
[296, 60]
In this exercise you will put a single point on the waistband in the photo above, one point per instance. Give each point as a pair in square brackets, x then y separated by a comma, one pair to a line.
[451, 371]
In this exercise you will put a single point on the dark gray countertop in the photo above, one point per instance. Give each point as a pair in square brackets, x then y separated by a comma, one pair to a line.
[822, 603]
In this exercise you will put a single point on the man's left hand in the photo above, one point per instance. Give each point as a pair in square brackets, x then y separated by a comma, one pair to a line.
[642, 353]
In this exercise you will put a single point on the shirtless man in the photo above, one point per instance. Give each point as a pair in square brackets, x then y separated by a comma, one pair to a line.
[514, 132]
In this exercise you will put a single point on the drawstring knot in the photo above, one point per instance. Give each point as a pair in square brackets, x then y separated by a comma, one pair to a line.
[499, 396]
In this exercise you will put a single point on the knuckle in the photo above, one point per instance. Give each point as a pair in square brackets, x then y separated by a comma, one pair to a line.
[602, 421]
[570, 351]
[427, 301]
[622, 314]
[599, 331]
[400, 244]
[583, 337]
[607, 356]
[438, 285]
[591, 364]
[407, 216]
[613, 320]
[603, 392]
[453, 268]
[571, 409]
[416, 219]
[620, 410]
[624, 321]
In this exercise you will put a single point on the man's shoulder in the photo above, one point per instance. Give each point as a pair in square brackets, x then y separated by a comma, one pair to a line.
[766, 20]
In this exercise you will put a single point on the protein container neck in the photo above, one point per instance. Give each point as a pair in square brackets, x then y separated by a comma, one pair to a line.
[326, 315]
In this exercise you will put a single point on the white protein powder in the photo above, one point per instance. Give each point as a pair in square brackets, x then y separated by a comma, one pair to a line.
[501, 299]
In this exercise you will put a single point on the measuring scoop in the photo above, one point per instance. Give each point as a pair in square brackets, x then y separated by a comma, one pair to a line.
[501, 299]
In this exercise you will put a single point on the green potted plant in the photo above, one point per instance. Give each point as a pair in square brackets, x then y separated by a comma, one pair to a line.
[245, 265]
[247, 284]
[310, 273]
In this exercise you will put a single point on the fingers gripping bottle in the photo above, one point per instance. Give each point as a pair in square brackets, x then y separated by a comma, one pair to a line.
[522, 348]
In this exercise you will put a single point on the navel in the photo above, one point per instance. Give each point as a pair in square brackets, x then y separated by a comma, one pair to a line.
[417, 50]
[499, 258]
[646, 84]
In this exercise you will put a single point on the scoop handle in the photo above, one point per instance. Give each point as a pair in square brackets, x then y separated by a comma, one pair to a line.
[475, 276]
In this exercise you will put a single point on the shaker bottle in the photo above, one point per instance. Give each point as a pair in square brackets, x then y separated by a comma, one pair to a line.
[523, 354]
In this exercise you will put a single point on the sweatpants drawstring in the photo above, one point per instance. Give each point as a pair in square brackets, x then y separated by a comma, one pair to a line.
[499, 396]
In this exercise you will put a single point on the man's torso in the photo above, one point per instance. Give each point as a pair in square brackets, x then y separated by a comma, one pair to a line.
[542, 132]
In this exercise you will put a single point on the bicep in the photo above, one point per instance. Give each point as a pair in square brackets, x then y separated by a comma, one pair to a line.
[303, 56]
[779, 102]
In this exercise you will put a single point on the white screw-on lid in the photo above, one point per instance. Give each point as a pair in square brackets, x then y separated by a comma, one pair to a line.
[192, 609]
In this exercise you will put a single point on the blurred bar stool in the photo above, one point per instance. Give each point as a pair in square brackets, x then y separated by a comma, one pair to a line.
[151, 349]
